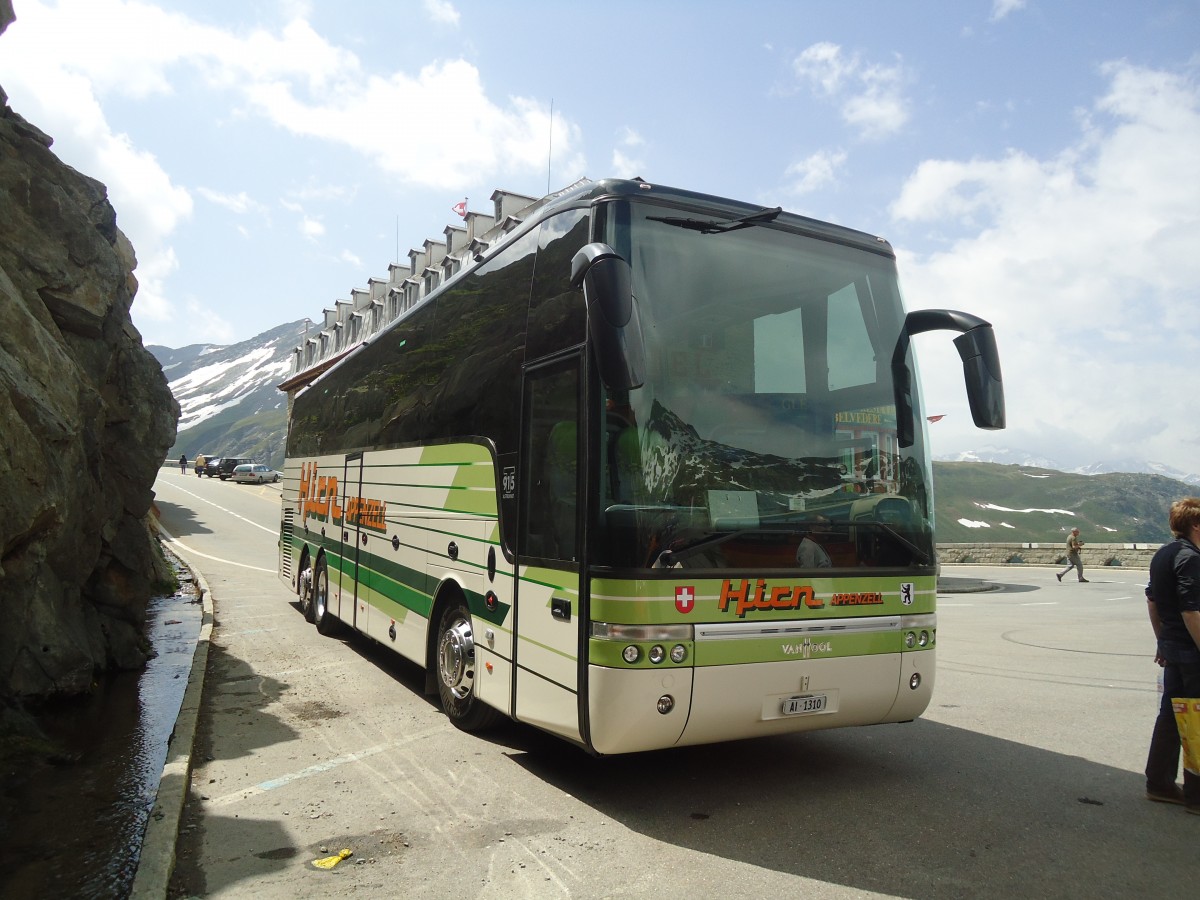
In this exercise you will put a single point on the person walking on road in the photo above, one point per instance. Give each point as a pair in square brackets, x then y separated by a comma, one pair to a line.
[1173, 601]
[1074, 545]
[182, 463]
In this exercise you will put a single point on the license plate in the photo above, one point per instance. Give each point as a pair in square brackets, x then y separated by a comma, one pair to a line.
[805, 705]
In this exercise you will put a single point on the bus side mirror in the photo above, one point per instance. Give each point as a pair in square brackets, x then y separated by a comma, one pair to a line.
[981, 368]
[612, 315]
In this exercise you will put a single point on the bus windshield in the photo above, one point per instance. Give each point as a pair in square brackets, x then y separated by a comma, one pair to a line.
[764, 434]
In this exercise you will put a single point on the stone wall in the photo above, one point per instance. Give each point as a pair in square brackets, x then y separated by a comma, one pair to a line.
[85, 419]
[1094, 556]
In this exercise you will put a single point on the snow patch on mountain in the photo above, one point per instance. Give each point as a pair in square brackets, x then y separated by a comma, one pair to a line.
[208, 379]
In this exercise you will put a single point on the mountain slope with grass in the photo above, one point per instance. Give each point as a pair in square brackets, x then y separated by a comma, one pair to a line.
[986, 503]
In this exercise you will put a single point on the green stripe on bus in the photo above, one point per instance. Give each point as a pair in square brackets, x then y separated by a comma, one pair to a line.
[472, 502]
[474, 476]
[443, 454]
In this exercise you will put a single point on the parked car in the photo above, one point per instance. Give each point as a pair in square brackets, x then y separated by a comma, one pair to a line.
[229, 463]
[201, 462]
[212, 465]
[254, 473]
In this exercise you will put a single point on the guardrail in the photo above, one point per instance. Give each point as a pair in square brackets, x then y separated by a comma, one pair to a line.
[1135, 556]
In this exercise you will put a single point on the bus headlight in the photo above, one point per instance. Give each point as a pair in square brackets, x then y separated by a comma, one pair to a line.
[923, 639]
[915, 681]
[910, 640]
[678, 653]
[657, 654]
[666, 703]
[631, 654]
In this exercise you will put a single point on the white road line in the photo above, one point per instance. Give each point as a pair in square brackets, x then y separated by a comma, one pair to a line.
[264, 786]
[222, 509]
[171, 539]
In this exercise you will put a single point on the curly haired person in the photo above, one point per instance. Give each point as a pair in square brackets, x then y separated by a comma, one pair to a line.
[1173, 601]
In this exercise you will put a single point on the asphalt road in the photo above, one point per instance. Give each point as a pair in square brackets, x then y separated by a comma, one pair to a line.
[1023, 778]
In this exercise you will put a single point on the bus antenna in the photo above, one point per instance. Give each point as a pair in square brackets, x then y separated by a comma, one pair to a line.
[550, 145]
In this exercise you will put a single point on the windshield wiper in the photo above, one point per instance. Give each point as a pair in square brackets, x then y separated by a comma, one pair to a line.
[683, 549]
[897, 537]
[712, 226]
[672, 555]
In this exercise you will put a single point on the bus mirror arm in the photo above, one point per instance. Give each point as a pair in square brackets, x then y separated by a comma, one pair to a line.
[981, 368]
[612, 315]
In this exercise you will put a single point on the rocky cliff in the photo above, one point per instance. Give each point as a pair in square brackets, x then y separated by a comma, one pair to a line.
[85, 421]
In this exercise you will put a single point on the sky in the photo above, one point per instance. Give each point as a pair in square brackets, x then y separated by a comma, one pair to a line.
[1034, 163]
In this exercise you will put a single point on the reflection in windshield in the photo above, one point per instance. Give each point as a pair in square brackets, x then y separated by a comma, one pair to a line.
[767, 418]
[680, 467]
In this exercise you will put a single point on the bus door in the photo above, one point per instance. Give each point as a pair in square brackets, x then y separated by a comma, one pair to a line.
[353, 608]
[550, 617]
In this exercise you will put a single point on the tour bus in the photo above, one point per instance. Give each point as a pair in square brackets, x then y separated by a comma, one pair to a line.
[650, 472]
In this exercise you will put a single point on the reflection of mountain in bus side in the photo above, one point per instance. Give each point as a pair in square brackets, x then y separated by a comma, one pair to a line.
[680, 464]
[453, 364]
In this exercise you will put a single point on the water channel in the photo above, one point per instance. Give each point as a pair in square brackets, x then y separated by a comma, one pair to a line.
[73, 828]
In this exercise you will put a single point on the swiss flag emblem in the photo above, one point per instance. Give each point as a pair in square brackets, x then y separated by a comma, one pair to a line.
[685, 599]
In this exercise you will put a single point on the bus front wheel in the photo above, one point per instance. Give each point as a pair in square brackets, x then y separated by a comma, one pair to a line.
[456, 670]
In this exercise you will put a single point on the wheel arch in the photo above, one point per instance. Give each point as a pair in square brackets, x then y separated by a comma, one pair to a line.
[448, 591]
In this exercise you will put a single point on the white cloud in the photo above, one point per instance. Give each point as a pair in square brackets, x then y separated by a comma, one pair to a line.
[65, 104]
[311, 228]
[1086, 264]
[871, 96]
[824, 66]
[817, 171]
[481, 141]
[56, 69]
[625, 164]
[239, 203]
[1001, 8]
[441, 11]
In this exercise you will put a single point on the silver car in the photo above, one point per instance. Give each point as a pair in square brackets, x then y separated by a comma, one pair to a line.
[254, 473]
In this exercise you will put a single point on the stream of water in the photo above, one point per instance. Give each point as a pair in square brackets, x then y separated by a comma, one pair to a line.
[74, 828]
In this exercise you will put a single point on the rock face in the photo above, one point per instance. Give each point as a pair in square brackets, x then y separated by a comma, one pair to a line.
[85, 421]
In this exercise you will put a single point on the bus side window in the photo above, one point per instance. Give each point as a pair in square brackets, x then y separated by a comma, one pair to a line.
[549, 526]
[561, 477]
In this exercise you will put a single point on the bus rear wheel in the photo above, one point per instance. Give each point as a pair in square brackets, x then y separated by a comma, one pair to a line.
[304, 586]
[318, 595]
[321, 617]
[456, 671]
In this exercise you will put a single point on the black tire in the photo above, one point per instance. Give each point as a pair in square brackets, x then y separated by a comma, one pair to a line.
[454, 662]
[320, 615]
[319, 592]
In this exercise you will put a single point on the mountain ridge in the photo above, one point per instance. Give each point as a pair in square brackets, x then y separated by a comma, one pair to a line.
[229, 396]
[1007, 457]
